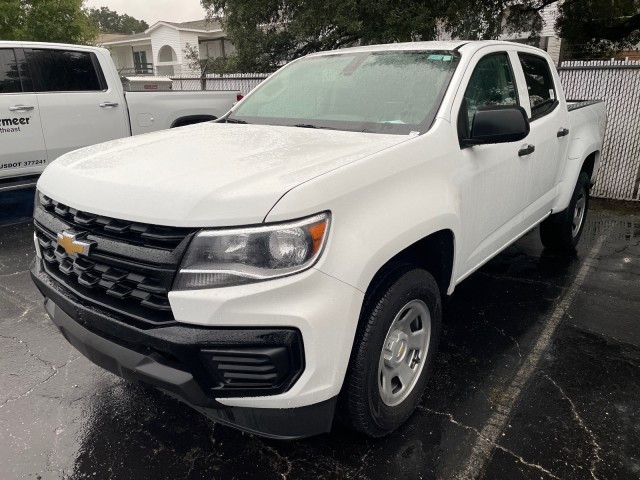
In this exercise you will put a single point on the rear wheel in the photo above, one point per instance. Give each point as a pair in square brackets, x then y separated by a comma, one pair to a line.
[395, 344]
[562, 231]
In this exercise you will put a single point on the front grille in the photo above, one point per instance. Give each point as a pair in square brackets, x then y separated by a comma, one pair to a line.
[129, 271]
[133, 233]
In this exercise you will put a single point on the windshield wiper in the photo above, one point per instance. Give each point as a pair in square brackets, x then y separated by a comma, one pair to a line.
[233, 120]
[310, 125]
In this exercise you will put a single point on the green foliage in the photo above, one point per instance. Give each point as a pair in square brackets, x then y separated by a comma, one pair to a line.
[596, 27]
[109, 21]
[10, 13]
[268, 33]
[63, 21]
[206, 65]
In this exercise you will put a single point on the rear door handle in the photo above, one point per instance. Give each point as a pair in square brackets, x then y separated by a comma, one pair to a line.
[108, 104]
[527, 150]
[563, 132]
[21, 108]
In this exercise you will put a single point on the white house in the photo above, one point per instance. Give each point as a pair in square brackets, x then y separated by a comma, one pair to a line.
[549, 40]
[160, 49]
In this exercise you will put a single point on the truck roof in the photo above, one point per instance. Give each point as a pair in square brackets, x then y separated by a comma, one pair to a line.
[17, 44]
[465, 45]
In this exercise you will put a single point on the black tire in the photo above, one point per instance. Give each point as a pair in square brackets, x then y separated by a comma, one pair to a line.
[557, 232]
[361, 406]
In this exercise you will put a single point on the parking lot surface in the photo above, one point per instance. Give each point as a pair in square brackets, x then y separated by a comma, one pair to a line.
[538, 376]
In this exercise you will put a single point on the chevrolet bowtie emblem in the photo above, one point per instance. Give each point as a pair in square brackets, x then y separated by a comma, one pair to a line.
[74, 247]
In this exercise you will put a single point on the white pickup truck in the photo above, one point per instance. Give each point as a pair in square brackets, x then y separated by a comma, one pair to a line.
[287, 262]
[56, 98]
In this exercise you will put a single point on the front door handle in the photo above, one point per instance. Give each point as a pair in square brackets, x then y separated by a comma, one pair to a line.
[21, 108]
[526, 150]
[108, 104]
[563, 132]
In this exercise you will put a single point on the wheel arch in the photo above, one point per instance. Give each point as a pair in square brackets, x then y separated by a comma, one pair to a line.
[590, 164]
[434, 252]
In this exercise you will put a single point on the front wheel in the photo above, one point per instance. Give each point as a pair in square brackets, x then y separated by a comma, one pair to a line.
[394, 347]
[562, 231]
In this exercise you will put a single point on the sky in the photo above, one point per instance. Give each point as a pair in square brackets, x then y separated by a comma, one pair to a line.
[153, 10]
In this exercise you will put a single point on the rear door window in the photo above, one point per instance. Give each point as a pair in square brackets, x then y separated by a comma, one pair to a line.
[542, 91]
[65, 71]
[9, 72]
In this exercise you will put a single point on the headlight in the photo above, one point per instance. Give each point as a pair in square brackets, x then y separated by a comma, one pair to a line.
[222, 258]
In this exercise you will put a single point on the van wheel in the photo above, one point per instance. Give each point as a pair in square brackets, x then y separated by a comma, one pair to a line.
[562, 231]
[395, 344]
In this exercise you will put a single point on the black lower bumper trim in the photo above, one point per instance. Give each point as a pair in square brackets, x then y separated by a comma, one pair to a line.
[278, 423]
[142, 356]
[285, 424]
[126, 363]
[277, 351]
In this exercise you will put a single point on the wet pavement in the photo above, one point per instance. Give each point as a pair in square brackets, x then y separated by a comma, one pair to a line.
[538, 377]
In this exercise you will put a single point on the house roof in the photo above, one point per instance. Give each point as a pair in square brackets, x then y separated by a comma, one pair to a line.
[203, 26]
[195, 25]
[136, 37]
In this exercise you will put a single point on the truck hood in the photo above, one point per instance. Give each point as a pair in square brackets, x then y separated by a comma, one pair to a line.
[205, 175]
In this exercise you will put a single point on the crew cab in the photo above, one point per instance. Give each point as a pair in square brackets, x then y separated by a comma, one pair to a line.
[56, 98]
[288, 261]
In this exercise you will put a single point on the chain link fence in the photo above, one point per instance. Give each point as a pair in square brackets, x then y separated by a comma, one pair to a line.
[244, 82]
[617, 82]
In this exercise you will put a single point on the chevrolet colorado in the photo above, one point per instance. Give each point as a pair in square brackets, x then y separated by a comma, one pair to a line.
[285, 264]
[55, 98]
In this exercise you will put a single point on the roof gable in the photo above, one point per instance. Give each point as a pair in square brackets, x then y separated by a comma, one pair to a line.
[195, 25]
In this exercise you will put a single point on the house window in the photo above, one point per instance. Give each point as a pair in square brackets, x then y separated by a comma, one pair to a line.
[216, 48]
[140, 62]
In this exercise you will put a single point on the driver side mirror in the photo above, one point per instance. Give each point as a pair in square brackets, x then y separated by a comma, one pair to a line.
[497, 124]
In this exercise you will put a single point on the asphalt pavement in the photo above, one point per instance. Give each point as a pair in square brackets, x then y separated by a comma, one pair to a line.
[538, 377]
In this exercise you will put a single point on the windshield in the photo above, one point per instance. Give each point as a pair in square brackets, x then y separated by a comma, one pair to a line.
[380, 92]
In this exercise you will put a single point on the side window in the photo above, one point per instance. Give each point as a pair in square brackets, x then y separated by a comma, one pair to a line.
[9, 73]
[65, 71]
[542, 92]
[491, 83]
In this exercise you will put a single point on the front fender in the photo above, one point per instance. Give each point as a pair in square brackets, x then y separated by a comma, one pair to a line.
[380, 206]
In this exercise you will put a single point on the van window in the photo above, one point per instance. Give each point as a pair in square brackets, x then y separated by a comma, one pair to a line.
[64, 71]
[9, 74]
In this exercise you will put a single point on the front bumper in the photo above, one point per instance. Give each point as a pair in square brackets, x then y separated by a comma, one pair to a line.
[145, 356]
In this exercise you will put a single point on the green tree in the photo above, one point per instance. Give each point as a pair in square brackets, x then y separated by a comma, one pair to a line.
[205, 65]
[593, 27]
[132, 25]
[46, 21]
[109, 21]
[10, 16]
[268, 33]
